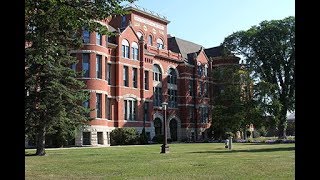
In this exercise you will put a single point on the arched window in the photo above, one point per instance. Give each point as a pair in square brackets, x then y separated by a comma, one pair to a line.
[160, 44]
[139, 34]
[157, 126]
[125, 48]
[135, 51]
[157, 76]
[150, 40]
[172, 76]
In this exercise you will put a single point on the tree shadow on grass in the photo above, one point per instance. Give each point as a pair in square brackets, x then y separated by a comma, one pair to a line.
[30, 154]
[249, 150]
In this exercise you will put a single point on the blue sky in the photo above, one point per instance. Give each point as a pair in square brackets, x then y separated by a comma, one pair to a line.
[208, 22]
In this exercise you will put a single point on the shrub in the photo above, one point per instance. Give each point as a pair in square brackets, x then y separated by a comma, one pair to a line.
[158, 138]
[263, 131]
[143, 138]
[228, 134]
[255, 134]
[124, 136]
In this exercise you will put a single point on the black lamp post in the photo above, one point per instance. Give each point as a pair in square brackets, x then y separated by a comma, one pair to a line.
[164, 147]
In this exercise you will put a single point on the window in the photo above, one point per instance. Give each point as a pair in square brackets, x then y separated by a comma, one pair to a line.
[98, 105]
[172, 77]
[157, 73]
[146, 111]
[157, 96]
[74, 66]
[205, 90]
[191, 114]
[85, 104]
[98, 39]
[139, 34]
[204, 114]
[98, 66]
[125, 48]
[123, 21]
[108, 74]
[125, 76]
[146, 80]
[191, 87]
[160, 44]
[199, 70]
[150, 40]
[135, 51]
[108, 107]
[85, 36]
[130, 109]
[172, 98]
[86, 64]
[135, 77]
[205, 72]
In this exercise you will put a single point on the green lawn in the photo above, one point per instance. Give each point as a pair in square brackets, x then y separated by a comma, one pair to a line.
[184, 161]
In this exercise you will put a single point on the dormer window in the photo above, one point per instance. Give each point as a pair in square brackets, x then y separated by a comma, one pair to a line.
[160, 44]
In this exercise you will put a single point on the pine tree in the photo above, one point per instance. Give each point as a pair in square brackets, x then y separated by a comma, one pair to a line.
[54, 95]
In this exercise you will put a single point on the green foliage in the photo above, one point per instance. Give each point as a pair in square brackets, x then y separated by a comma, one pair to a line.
[291, 129]
[143, 138]
[158, 139]
[234, 105]
[256, 134]
[268, 51]
[228, 134]
[263, 131]
[124, 136]
[54, 95]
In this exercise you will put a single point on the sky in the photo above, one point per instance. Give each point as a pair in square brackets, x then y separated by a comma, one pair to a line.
[208, 22]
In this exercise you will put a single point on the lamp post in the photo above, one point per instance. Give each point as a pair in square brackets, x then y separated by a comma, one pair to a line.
[164, 147]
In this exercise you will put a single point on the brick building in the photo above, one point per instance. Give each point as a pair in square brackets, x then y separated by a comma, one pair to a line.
[130, 75]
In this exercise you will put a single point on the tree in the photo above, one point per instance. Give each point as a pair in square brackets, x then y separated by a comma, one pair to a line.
[268, 50]
[53, 98]
[233, 102]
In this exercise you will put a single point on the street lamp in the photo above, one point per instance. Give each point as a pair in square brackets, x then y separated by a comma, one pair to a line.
[164, 147]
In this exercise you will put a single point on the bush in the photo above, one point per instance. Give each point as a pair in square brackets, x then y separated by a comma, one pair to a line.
[263, 131]
[291, 129]
[124, 136]
[228, 134]
[143, 139]
[158, 139]
[255, 134]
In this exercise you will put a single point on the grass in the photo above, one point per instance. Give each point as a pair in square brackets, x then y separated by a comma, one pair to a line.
[184, 161]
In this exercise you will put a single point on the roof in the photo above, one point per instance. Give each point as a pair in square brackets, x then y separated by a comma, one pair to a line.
[111, 29]
[182, 46]
[132, 6]
[214, 51]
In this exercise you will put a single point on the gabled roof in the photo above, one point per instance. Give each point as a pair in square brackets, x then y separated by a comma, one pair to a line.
[182, 46]
[214, 51]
